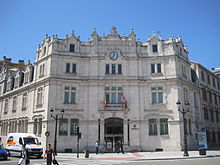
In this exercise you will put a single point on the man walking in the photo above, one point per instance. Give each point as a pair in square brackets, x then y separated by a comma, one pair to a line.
[97, 147]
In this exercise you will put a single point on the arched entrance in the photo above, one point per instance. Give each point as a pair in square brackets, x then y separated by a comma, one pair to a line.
[113, 132]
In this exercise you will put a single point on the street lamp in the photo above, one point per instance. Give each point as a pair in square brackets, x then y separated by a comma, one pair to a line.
[56, 117]
[183, 111]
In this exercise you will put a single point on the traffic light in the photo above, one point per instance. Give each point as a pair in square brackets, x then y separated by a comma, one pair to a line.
[77, 130]
[79, 135]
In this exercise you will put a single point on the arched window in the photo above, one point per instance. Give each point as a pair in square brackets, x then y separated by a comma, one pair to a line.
[40, 126]
[35, 126]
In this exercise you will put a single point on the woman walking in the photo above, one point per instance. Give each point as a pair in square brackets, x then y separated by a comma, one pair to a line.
[48, 154]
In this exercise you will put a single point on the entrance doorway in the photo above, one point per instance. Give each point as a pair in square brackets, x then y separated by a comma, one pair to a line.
[113, 133]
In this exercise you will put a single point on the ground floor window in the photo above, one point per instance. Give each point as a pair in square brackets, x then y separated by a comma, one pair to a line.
[73, 124]
[163, 126]
[152, 127]
[63, 127]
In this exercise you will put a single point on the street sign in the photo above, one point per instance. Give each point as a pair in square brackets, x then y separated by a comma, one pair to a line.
[47, 133]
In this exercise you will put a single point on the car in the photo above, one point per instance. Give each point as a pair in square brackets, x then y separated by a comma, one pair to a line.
[3, 153]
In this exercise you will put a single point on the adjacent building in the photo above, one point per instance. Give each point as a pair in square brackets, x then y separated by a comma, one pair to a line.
[115, 88]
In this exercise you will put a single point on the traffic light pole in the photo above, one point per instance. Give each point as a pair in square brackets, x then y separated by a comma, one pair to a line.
[78, 145]
[78, 137]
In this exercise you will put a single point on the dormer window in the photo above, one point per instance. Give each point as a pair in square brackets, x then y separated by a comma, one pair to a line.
[72, 48]
[154, 48]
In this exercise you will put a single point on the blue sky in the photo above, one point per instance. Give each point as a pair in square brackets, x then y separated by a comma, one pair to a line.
[24, 23]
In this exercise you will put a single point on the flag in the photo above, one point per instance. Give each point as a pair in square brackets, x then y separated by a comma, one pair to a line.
[105, 103]
[123, 101]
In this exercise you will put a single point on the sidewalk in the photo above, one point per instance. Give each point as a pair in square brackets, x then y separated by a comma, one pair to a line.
[166, 155]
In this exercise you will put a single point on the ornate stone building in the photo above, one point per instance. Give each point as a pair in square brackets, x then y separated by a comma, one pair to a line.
[113, 87]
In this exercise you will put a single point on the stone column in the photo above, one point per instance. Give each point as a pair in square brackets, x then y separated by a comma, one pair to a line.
[125, 132]
[102, 132]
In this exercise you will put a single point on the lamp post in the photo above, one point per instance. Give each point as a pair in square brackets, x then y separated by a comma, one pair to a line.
[183, 111]
[56, 117]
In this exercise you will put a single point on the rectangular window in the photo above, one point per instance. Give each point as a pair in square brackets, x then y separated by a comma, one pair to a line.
[202, 76]
[14, 105]
[157, 95]
[119, 69]
[24, 100]
[69, 95]
[74, 123]
[213, 81]
[158, 68]
[204, 94]
[72, 48]
[164, 126]
[6, 107]
[40, 96]
[154, 47]
[106, 68]
[113, 68]
[45, 50]
[217, 117]
[41, 73]
[210, 96]
[152, 127]
[119, 95]
[113, 95]
[208, 78]
[74, 68]
[67, 67]
[206, 113]
[152, 68]
[63, 127]
[154, 95]
[195, 99]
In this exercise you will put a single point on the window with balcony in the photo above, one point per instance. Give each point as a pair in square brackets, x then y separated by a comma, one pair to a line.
[113, 95]
[156, 95]
[40, 96]
[69, 95]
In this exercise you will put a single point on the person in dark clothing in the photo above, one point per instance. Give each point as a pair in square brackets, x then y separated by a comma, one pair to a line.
[49, 153]
[97, 147]
[120, 147]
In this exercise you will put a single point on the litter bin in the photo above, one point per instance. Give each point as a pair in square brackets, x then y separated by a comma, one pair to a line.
[86, 153]
[202, 151]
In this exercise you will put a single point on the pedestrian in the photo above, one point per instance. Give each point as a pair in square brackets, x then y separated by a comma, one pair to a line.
[24, 157]
[49, 153]
[120, 147]
[97, 147]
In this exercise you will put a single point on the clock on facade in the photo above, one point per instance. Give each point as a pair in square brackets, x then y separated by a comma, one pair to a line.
[113, 55]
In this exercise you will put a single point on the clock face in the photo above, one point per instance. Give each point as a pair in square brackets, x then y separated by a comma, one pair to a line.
[113, 55]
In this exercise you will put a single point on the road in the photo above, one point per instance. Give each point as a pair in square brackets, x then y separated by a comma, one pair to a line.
[82, 161]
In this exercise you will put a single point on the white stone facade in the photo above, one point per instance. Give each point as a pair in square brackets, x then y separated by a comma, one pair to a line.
[88, 80]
